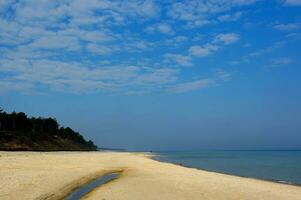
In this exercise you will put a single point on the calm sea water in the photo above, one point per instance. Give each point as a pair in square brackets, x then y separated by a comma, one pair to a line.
[283, 166]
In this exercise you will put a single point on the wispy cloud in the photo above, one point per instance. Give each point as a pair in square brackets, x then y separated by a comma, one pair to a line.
[223, 75]
[230, 17]
[287, 27]
[104, 46]
[292, 2]
[282, 61]
[203, 51]
[216, 44]
[199, 13]
[219, 77]
[227, 38]
[161, 28]
[178, 59]
[191, 86]
[101, 50]
[74, 77]
[258, 53]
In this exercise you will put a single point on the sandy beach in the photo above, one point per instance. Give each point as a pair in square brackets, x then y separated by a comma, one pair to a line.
[53, 175]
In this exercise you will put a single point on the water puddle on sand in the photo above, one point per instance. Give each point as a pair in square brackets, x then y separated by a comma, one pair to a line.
[82, 191]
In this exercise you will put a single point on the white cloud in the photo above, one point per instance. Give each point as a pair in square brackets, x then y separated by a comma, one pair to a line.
[293, 2]
[198, 23]
[176, 41]
[178, 59]
[136, 45]
[157, 77]
[203, 51]
[74, 77]
[99, 49]
[282, 61]
[198, 13]
[220, 77]
[165, 28]
[11, 85]
[102, 35]
[73, 46]
[223, 75]
[4, 4]
[213, 46]
[56, 42]
[287, 27]
[191, 86]
[229, 17]
[180, 38]
[242, 2]
[92, 12]
[227, 38]
[161, 28]
[260, 52]
[265, 50]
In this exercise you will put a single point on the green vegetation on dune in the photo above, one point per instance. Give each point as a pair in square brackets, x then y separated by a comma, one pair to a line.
[19, 132]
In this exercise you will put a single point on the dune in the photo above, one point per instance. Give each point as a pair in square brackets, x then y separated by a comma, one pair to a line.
[53, 175]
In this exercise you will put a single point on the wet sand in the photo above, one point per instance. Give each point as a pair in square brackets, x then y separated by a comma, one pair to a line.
[34, 175]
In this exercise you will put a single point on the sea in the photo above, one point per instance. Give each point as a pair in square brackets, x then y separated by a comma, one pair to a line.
[277, 165]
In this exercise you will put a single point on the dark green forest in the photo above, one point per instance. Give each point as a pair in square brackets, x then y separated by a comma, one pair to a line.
[20, 132]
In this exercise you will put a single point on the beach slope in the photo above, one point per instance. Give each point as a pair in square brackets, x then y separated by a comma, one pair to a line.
[34, 175]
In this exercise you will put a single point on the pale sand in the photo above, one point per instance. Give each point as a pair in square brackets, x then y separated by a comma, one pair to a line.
[29, 175]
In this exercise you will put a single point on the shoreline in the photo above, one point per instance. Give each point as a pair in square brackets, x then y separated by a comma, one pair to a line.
[54, 175]
[224, 173]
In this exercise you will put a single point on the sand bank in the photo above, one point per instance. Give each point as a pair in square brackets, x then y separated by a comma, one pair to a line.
[33, 175]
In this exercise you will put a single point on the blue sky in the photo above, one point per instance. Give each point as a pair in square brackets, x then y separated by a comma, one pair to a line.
[146, 74]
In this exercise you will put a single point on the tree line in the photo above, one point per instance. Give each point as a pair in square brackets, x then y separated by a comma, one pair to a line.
[37, 129]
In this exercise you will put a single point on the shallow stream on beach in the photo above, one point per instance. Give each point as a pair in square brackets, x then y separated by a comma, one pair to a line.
[85, 189]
